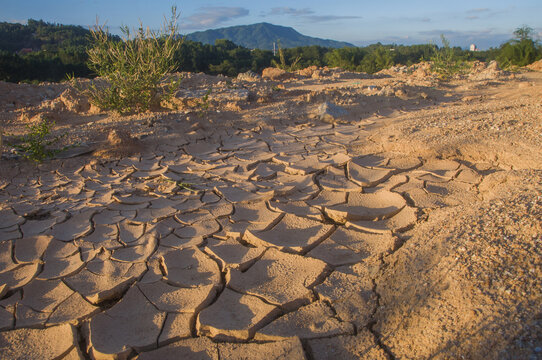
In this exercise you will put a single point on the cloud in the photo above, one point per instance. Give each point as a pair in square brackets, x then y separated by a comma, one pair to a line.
[290, 11]
[306, 14]
[212, 16]
[483, 38]
[438, 32]
[478, 10]
[483, 13]
[322, 18]
[15, 21]
[424, 19]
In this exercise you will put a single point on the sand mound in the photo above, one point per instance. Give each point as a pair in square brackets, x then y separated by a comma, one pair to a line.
[481, 71]
[536, 66]
[119, 144]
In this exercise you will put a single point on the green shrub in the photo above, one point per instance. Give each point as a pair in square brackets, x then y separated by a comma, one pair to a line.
[370, 59]
[445, 62]
[347, 58]
[378, 59]
[134, 68]
[521, 51]
[35, 144]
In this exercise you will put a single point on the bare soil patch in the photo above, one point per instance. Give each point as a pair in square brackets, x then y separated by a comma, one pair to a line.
[405, 223]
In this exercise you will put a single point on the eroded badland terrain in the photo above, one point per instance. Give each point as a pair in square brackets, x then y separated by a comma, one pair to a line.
[321, 215]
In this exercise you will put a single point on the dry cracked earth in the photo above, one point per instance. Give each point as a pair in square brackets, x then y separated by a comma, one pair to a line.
[281, 243]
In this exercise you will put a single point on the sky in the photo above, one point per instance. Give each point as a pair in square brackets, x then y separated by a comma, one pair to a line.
[360, 22]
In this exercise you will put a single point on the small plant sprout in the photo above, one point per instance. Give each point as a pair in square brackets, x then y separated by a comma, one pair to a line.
[35, 145]
[181, 185]
[203, 104]
[445, 62]
[186, 186]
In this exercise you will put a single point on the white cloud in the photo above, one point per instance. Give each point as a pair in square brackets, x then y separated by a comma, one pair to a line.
[322, 18]
[307, 14]
[423, 19]
[478, 10]
[483, 38]
[212, 16]
[15, 21]
[290, 11]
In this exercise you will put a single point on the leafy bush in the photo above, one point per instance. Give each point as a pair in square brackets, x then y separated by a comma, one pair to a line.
[134, 68]
[521, 51]
[347, 58]
[380, 58]
[370, 59]
[35, 145]
[445, 62]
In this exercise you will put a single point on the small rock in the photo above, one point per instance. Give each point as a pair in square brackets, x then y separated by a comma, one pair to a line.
[119, 143]
[308, 72]
[119, 137]
[329, 112]
[74, 101]
[248, 76]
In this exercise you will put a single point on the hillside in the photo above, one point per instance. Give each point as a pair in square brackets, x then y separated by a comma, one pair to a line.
[39, 35]
[262, 36]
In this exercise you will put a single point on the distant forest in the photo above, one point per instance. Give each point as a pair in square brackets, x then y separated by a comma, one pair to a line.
[41, 51]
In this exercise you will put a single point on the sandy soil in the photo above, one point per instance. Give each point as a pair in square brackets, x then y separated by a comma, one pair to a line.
[408, 227]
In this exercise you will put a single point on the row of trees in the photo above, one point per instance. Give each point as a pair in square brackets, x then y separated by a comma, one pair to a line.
[41, 35]
[41, 51]
[58, 50]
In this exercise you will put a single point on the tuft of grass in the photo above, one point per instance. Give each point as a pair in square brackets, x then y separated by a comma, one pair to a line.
[203, 104]
[135, 68]
[283, 65]
[35, 145]
[182, 185]
[186, 186]
[445, 62]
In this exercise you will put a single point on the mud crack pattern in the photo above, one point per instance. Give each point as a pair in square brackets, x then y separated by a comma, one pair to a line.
[247, 241]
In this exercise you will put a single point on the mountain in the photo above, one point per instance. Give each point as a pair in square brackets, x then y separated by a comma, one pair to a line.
[262, 36]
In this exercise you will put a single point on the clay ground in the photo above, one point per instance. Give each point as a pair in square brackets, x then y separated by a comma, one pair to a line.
[407, 228]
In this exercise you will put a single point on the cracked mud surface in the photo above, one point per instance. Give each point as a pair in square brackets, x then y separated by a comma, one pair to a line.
[311, 240]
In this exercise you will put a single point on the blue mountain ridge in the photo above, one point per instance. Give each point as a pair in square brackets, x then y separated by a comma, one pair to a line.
[262, 36]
